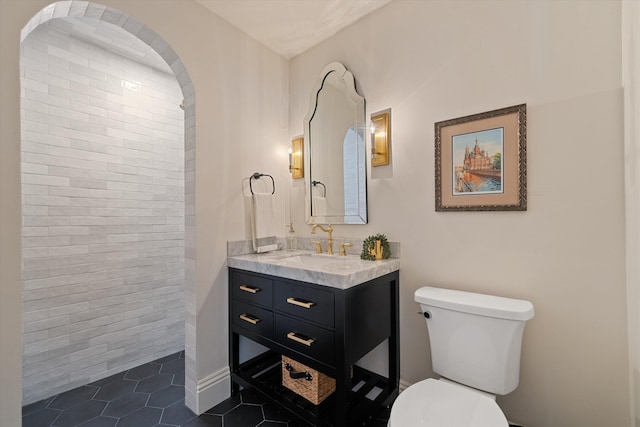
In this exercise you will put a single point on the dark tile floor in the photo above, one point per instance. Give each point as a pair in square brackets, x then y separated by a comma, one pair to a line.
[152, 395]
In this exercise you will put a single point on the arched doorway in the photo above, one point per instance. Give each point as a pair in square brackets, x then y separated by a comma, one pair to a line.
[96, 14]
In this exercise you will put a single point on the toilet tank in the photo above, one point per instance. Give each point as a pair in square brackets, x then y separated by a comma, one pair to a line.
[475, 338]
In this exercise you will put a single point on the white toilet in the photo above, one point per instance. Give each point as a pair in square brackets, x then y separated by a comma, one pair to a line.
[475, 346]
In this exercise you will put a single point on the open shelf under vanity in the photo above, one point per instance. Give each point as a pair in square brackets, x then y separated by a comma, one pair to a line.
[369, 394]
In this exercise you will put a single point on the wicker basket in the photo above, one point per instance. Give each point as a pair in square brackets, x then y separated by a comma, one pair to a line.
[306, 382]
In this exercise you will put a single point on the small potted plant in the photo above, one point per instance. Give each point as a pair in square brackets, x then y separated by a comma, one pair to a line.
[375, 247]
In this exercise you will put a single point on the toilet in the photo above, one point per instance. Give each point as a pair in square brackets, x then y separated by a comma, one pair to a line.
[475, 347]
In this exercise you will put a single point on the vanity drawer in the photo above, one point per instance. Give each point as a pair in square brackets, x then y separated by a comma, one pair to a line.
[304, 338]
[253, 318]
[306, 302]
[250, 288]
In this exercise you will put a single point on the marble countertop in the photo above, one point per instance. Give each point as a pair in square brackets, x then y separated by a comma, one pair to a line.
[336, 271]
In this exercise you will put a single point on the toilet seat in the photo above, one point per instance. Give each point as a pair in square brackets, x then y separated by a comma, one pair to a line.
[434, 403]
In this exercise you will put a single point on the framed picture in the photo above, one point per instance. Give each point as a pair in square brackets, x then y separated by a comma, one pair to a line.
[481, 161]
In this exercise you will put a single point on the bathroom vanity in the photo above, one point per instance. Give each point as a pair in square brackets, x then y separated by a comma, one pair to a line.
[325, 312]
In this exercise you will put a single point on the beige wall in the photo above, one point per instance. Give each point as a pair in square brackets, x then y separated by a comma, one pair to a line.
[434, 60]
[241, 122]
[631, 83]
[428, 61]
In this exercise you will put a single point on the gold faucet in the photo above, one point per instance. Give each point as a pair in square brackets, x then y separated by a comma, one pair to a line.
[318, 246]
[329, 231]
[343, 250]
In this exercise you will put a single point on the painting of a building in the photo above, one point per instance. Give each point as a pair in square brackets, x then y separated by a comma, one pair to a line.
[478, 159]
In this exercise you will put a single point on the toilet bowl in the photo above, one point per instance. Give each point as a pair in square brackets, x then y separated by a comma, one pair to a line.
[439, 403]
[475, 342]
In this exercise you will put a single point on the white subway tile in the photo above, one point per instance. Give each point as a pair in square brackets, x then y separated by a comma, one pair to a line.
[34, 85]
[84, 334]
[31, 147]
[111, 247]
[30, 189]
[68, 231]
[30, 126]
[90, 202]
[69, 211]
[68, 250]
[88, 183]
[122, 168]
[126, 186]
[45, 200]
[45, 324]
[82, 374]
[32, 242]
[45, 159]
[30, 168]
[88, 146]
[45, 180]
[39, 107]
[114, 203]
[67, 55]
[35, 231]
[32, 337]
[68, 309]
[34, 294]
[88, 277]
[69, 94]
[92, 154]
[28, 253]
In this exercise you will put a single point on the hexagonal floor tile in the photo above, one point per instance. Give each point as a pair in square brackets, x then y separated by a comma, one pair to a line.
[244, 415]
[126, 404]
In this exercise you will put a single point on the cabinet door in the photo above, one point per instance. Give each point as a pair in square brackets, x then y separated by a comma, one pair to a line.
[310, 340]
[251, 288]
[306, 302]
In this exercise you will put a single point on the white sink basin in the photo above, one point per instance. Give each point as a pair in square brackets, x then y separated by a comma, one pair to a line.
[316, 260]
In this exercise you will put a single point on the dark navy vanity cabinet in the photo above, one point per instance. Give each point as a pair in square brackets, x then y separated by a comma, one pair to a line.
[326, 328]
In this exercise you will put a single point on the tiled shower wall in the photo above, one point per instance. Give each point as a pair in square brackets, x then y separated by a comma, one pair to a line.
[103, 213]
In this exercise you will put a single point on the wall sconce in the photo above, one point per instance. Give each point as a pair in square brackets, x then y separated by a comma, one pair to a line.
[380, 137]
[296, 158]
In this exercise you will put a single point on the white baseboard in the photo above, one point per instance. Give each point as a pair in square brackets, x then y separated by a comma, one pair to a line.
[213, 389]
[404, 385]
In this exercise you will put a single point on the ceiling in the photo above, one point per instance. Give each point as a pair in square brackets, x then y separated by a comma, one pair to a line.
[290, 27]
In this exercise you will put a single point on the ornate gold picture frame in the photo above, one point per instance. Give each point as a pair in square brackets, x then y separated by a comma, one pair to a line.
[481, 161]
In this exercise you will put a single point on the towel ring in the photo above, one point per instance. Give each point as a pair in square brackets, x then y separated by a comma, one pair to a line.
[258, 175]
[315, 183]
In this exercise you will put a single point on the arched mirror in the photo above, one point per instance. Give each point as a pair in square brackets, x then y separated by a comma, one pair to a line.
[334, 134]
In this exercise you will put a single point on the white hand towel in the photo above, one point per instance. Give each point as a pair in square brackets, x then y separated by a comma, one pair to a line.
[264, 239]
[319, 206]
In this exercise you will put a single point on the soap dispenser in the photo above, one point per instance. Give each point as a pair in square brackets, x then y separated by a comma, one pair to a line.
[292, 240]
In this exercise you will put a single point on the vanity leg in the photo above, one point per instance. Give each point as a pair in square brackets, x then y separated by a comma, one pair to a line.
[343, 387]
[234, 361]
[394, 342]
[343, 377]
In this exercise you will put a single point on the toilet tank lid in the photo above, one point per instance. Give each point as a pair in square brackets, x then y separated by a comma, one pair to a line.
[473, 303]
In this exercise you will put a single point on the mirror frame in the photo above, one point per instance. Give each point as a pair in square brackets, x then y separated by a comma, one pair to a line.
[349, 82]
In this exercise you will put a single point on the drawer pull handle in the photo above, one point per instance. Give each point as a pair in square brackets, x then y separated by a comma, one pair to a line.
[305, 304]
[306, 341]
[250, 319]
[250, 289]
[297, 375]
